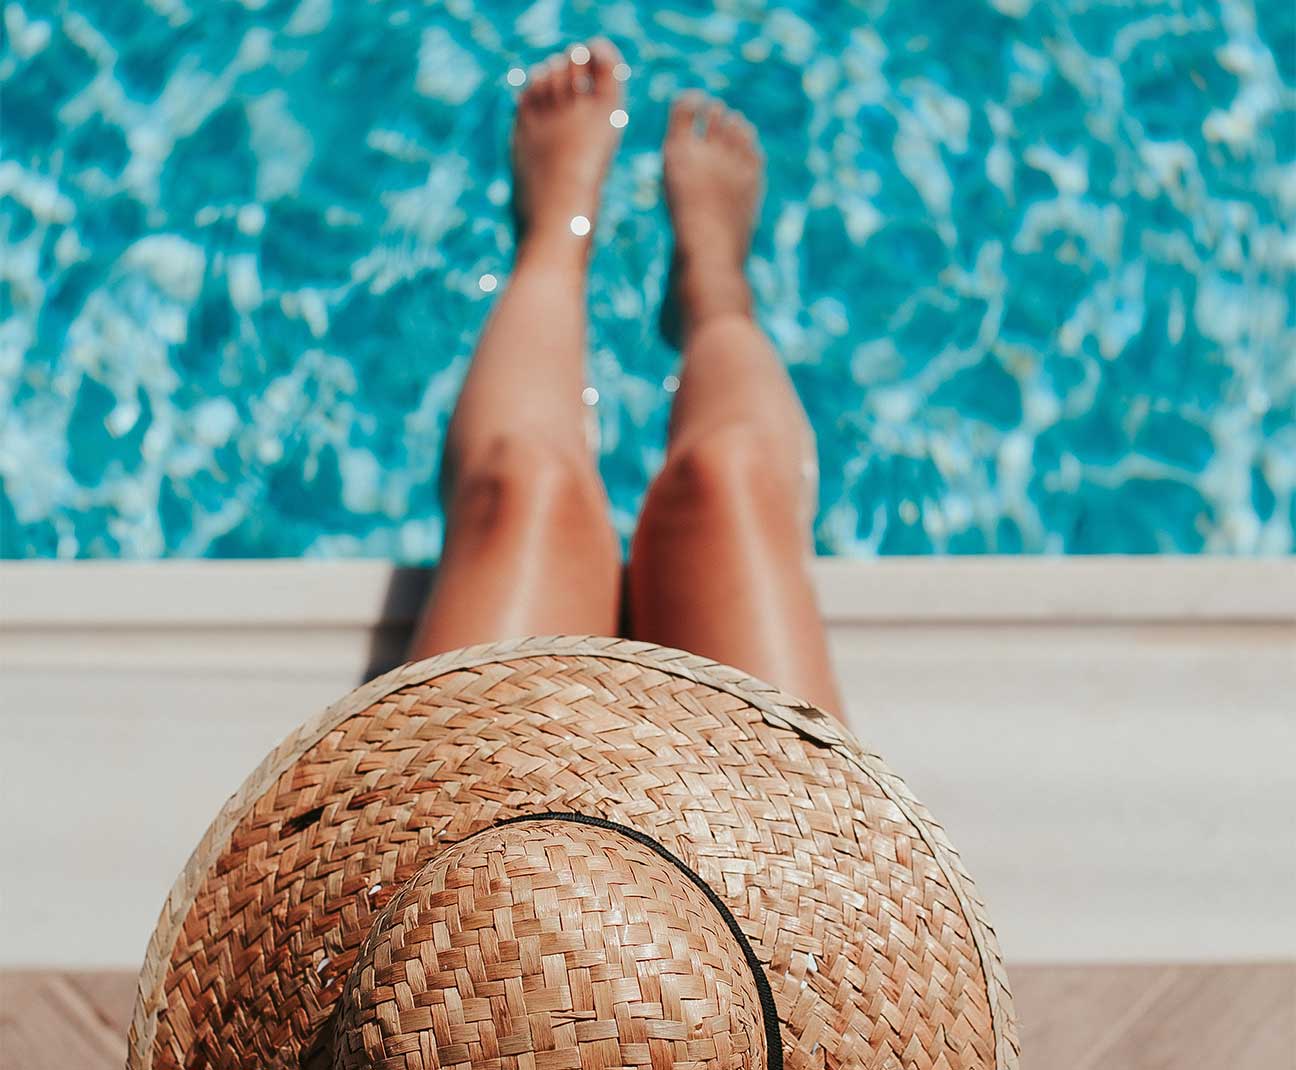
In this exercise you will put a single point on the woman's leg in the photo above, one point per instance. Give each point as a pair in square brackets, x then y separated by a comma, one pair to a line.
[718, 563]
[529, 547]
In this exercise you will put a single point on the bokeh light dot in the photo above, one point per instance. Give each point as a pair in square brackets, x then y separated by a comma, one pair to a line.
[580, 226]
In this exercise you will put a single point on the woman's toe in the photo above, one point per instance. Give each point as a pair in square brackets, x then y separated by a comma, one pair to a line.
[684, 115]
[716, 120]
[603, 62]
[540, 90]
[737, 132]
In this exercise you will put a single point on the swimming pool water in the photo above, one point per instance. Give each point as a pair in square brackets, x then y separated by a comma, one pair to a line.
[1030, 262]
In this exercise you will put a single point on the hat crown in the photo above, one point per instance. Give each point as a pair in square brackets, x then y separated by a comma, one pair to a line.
[550, 937]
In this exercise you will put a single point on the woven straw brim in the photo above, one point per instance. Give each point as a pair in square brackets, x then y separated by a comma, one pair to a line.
[875, 943]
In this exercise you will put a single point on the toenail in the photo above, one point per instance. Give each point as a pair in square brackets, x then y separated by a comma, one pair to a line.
[621, 72]
[618, 118]
[516, 76]
[580, 55]
[580, 226]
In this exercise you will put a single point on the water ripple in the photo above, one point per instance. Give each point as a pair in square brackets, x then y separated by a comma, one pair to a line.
[1031, 263]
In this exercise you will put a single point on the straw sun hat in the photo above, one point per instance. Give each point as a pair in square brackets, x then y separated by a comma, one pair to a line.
[572, 854]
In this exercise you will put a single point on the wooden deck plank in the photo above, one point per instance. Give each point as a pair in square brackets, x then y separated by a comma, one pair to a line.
[1125, 1017]
[1242, 1017]
[111, 994]
[46, 1023]
[1067, 1012]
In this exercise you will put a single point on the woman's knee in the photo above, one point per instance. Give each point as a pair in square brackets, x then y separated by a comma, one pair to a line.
[515, 479]
[735, 468]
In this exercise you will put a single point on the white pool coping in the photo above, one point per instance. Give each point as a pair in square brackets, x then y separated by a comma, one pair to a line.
[1108, 741]
[286, 592]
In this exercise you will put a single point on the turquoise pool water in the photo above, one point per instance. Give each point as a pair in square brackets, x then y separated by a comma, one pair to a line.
[1031, 264]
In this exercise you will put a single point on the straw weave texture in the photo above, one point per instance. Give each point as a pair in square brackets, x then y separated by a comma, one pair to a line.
[876, 947]
[554, 940]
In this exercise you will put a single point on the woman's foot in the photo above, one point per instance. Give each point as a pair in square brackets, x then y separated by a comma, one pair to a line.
[563, 138]
[714, 174]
